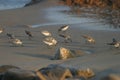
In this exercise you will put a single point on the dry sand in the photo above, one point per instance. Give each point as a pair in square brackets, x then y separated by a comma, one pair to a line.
[35, 54]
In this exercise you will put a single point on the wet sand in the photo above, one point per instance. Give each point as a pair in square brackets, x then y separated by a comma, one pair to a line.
[35, 54]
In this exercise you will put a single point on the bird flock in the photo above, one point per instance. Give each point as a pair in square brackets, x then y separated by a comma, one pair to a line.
[50, 41]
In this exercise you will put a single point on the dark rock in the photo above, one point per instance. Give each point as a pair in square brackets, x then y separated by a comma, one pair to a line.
[82, 73]
[64, 53]
[5, 68]
[19, 74]
[56, 72]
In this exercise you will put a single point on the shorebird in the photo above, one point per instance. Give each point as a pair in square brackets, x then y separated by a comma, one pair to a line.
[46, 33]
[50, 41]
[89, 39]
[66, 37]
[63, 28]
[10, 36]
[115, 43]
[16, 42]
[1, 30]
[29, 34]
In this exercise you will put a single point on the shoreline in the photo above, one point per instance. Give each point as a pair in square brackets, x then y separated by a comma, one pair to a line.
[35, 54]
[26, 15]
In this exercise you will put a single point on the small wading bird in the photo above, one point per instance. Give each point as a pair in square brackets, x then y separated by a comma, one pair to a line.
[63, 28]
[114, 43]
[1, 30]
[16, 42]
[66, 37]
[29, 34]
[10, 36]
[46, 33]
[50, 41]
[89, 39]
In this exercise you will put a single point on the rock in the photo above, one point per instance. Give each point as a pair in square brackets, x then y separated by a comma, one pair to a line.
[5, 68]
[40, 75]
[83, 74]
[56, 72]
[64, 53]
[19, 74]
[98, 3]
[87, 73]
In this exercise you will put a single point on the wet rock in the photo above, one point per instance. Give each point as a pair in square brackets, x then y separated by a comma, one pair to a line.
[5, 68]
[82, 74]
[64, 53]
[55, 72]
[86, 74]
[99, 3]
[19, 74]
[40, 75]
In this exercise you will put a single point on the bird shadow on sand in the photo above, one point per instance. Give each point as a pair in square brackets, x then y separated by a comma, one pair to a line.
[35, 55]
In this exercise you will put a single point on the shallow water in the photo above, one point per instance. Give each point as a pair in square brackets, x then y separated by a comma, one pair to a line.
[11, 4]
[57, 16]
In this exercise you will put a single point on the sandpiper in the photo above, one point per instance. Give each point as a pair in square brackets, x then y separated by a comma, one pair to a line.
[1, 30]
[29, 34]
[66, 37]
[63, 28]
[115, 43]
[89, 39]
[16, 42]
[50, 41]
[10, 36]
[46, 33]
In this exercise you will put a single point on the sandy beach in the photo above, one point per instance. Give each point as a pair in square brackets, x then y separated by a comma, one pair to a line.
[102, 58]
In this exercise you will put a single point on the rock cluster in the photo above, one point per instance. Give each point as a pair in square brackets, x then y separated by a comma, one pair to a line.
[51, 72]
[10, 72]
[110, 8]
[101, 3]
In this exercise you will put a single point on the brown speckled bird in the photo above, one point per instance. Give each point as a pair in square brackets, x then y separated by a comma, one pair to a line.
[29, 34]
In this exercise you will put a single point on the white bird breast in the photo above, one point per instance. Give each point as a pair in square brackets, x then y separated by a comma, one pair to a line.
[117, 45]
[65, 28]
[17, 41]
[46, 33]
[50, 41]
[1, 31]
